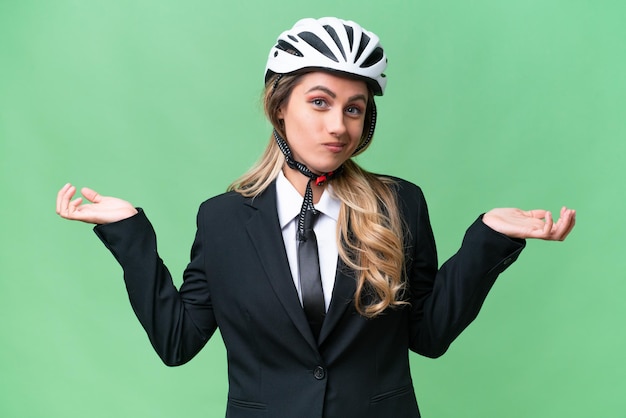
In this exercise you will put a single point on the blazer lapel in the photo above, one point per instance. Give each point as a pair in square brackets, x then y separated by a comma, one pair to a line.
[343, 296]
[264, 231]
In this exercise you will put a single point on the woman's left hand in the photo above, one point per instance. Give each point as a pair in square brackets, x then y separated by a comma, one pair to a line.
[538, 223]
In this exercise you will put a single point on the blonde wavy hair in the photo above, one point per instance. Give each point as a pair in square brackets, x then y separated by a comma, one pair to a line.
[369, 228]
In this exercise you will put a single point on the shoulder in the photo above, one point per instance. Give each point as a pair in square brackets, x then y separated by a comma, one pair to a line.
[222, 204]
[233, 204]
[410, 202]
[226, 211]
[406, 191]
[223, 200]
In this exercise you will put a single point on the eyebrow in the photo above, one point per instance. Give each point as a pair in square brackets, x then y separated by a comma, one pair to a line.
[334, 96]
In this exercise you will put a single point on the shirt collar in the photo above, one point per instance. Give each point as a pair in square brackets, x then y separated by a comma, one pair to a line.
[289, 201]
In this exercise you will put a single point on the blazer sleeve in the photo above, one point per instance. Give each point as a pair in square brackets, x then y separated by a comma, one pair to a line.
[178, 322]
[445, 300]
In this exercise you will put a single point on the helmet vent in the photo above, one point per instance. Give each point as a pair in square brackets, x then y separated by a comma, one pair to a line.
[364, 41]
[313, 40]
[287, 47]
[350, 33]
[375, 57]
[332, 45]
[333, 34]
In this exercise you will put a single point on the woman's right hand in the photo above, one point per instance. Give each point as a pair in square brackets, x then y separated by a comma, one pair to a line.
[101, 210]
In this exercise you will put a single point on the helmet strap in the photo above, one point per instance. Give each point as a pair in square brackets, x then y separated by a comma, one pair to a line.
[319, 180]
[370, 131]
[276, 82]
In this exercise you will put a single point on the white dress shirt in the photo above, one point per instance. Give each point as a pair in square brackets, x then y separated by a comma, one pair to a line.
[289, 203]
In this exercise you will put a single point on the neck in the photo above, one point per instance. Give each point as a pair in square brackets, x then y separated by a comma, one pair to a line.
[299, 181]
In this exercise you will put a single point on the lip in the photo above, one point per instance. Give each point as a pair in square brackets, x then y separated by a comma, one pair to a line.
[335, 147]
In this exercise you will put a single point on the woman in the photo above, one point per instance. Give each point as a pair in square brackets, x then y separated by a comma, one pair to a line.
[326, 331]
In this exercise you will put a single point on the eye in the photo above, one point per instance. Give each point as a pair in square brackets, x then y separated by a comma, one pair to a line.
[319, 103]
[354, 110]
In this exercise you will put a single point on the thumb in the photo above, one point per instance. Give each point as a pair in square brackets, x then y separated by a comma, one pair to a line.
[91, 195]
[538, 213]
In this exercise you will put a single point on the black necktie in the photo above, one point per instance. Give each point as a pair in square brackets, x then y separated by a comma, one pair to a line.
[310, 278]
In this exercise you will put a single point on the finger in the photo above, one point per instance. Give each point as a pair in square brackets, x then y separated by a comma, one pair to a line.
[569, 220]
[548, 225]
[74, 204]
[572, 223]
[60, 194]
[537, 213]
[74, 210]
[564, 225]
[91, 195]
[65, 200]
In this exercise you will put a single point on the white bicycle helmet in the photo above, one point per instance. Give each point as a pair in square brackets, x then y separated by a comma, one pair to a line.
[330, 44]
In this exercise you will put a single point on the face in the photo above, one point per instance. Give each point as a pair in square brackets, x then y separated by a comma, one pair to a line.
[323, 120]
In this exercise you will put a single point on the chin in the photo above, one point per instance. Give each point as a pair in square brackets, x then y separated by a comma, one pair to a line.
[325, 168]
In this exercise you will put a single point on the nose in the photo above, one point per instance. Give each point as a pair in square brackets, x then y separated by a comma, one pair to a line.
[336, 123]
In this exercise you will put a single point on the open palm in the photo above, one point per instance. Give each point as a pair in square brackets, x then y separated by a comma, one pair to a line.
[100, 210]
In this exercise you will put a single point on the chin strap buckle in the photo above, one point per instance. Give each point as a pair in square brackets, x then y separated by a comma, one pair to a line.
[322, 179]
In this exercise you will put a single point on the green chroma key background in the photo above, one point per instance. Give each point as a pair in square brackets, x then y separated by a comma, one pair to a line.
[490, 103]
